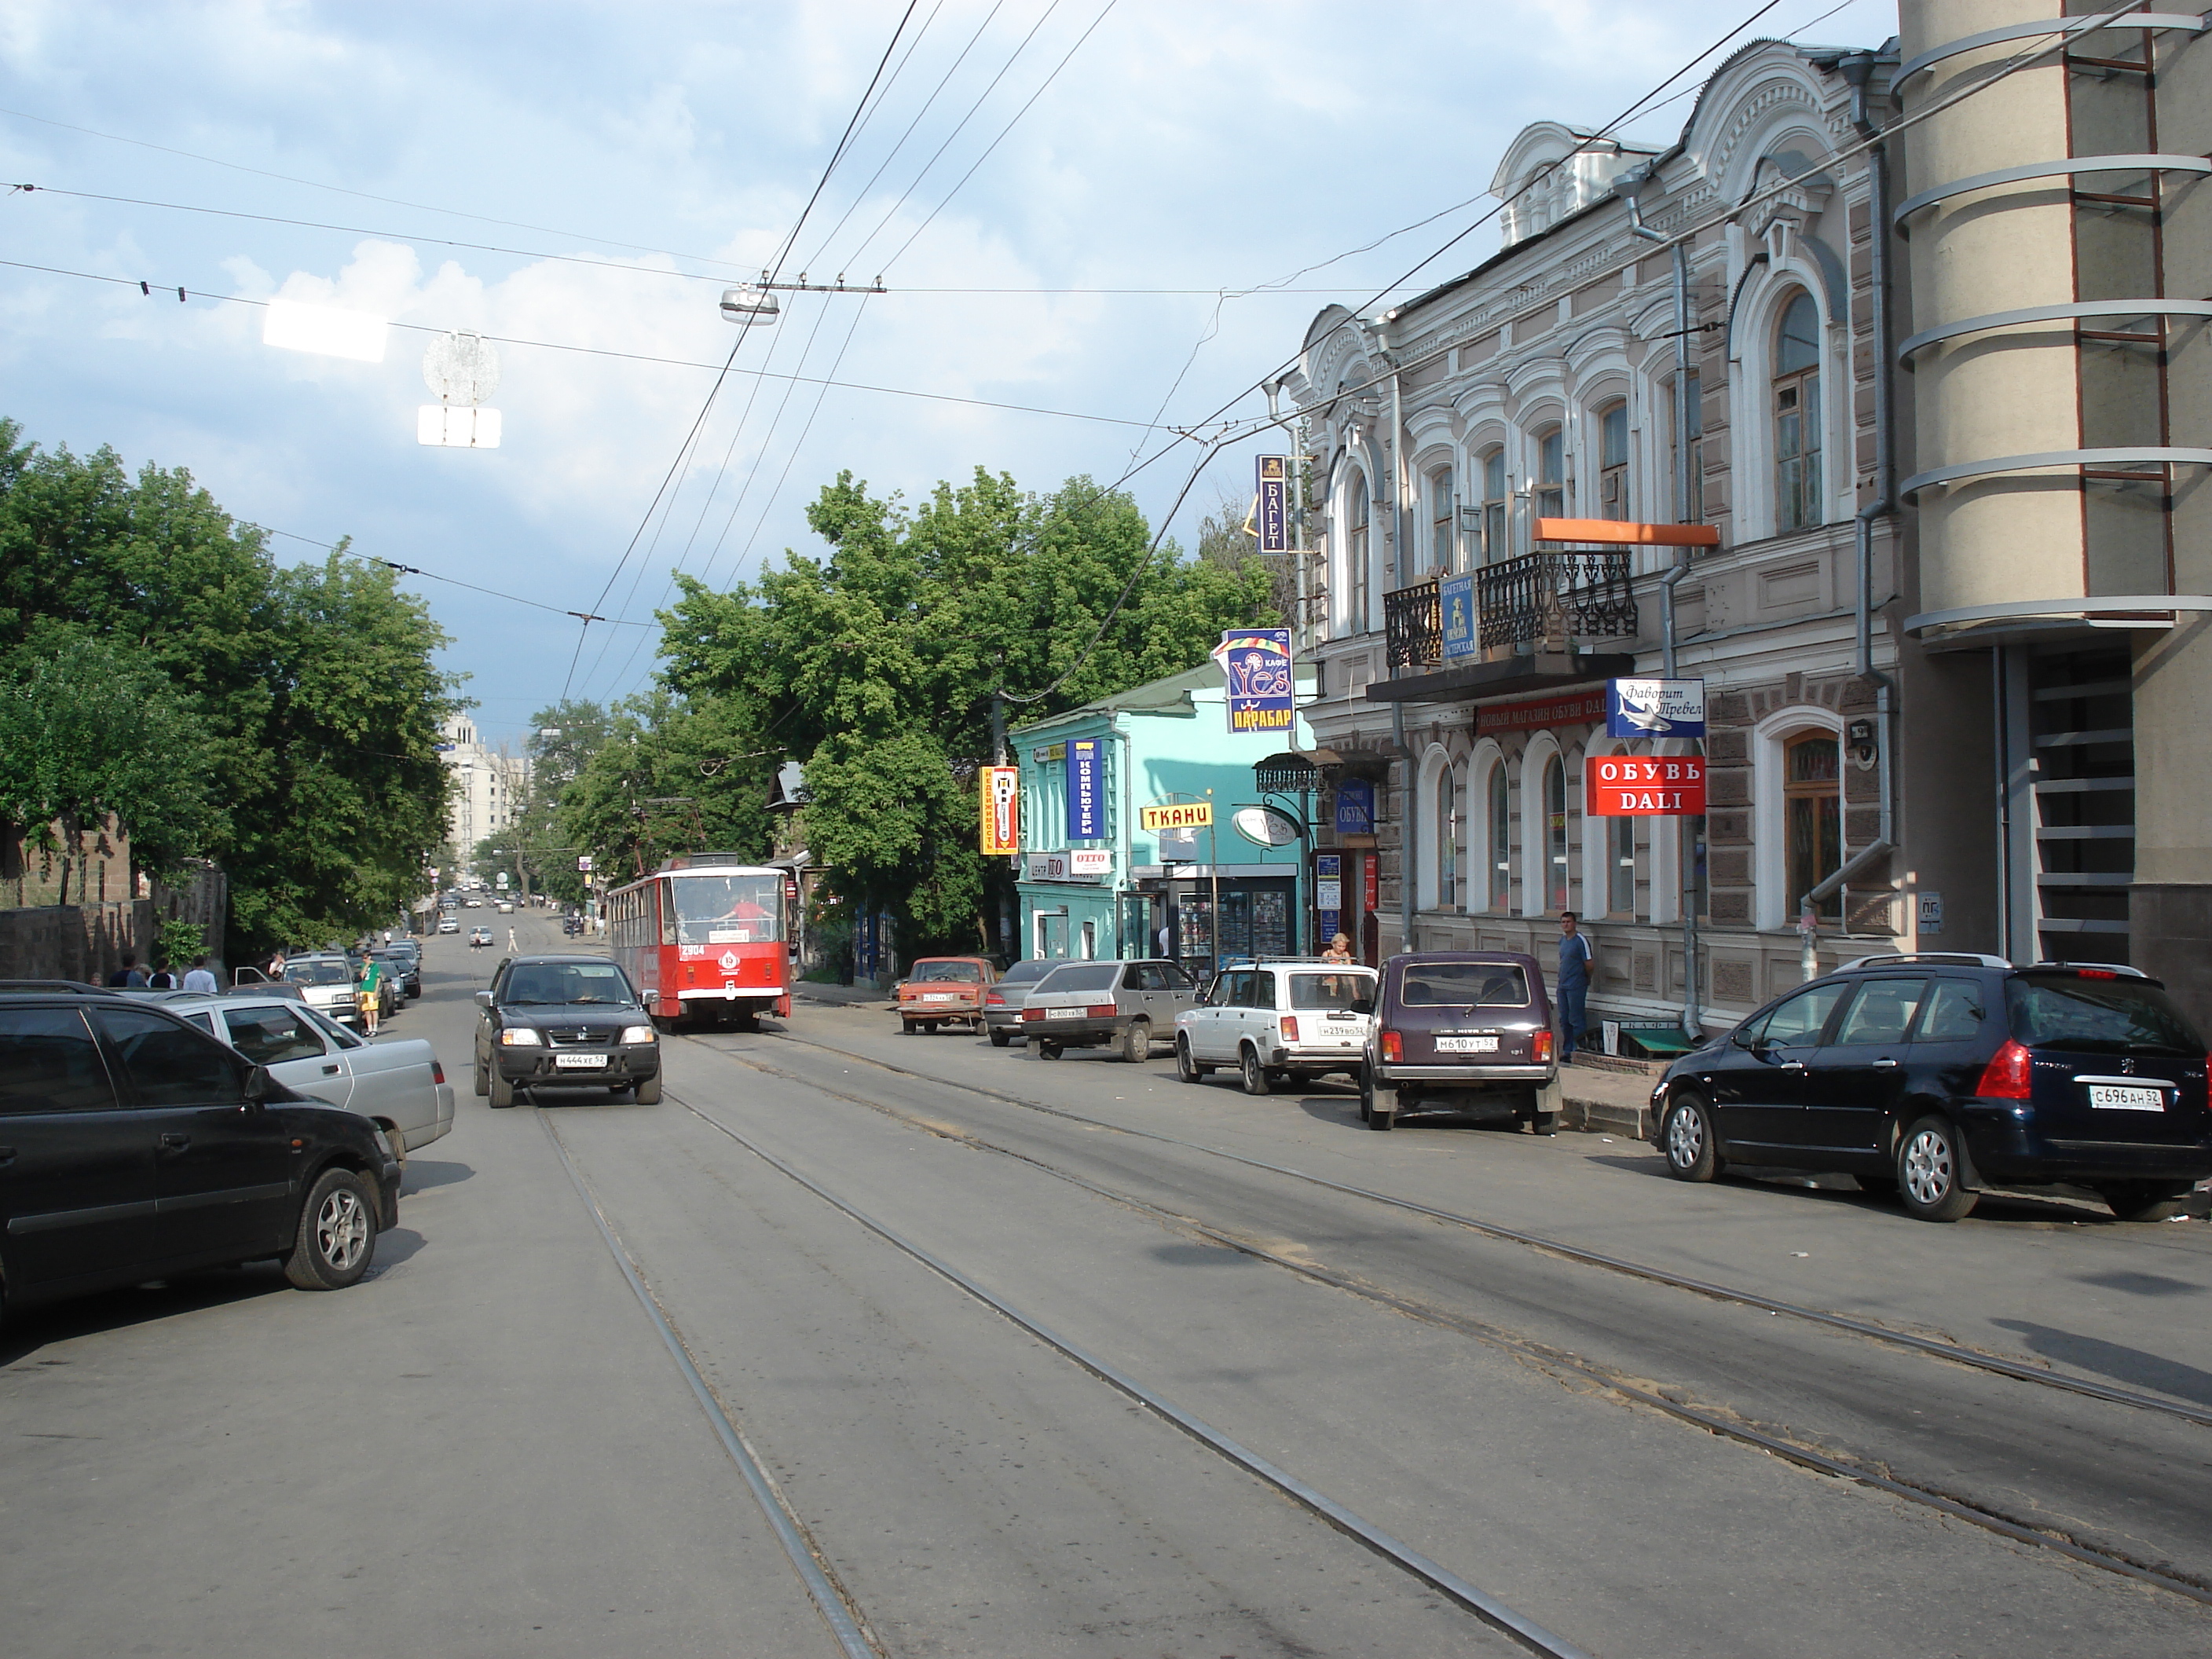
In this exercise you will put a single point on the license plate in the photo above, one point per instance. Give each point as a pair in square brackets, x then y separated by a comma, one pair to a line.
[1467, 1045]
[940, 996]
[580, 1062]
[2108, 1097]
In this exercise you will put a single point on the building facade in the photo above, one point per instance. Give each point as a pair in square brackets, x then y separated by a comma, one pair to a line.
[485, 787]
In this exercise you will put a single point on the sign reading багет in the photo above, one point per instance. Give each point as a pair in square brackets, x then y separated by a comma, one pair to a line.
[1655, 709]
[1257, 663]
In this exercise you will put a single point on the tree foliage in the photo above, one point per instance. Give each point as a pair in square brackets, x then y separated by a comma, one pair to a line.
[876, 666]
[313, 685]
[669, 777]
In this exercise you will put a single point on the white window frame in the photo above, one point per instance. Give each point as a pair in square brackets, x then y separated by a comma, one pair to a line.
[1535, 833]
[1489, 759]
[1773, 908]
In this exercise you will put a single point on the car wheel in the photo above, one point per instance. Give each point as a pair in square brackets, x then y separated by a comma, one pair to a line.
[337, 1235]
[649, 1091]
[1188, 1068]
[906, 1028]
[1371, 1098]
[1928, 1168]
[1256, 1075]
[1000, 1039]
[1047, 1049]
[2144, 1200]
[502, 1091]
[1692, 1154]
[929, 1028]
[1136, 1042]
[483, 1081]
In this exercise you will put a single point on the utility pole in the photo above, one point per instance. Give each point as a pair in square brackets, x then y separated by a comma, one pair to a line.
[998, 758]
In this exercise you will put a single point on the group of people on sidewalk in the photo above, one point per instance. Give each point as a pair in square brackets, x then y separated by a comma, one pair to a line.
[130, 976]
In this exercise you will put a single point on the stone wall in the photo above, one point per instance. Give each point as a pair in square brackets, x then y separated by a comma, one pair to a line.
[74, 941]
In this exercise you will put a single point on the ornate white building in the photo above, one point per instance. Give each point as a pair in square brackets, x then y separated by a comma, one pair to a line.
[485, 787]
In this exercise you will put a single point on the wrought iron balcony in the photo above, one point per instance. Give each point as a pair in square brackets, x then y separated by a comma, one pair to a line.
[1558, 596]
[1413, 625]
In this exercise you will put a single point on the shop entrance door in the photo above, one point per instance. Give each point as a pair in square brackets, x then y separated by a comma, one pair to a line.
[1052, 935]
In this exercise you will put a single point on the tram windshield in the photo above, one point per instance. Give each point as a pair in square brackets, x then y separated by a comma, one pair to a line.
[732, 909]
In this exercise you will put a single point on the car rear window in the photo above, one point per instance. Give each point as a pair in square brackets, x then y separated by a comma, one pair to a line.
[1337, 990]
[1464, 985]
[2102, 1015]
[948, 973]
[327, 971]
[1081, 976]
[1027, 973]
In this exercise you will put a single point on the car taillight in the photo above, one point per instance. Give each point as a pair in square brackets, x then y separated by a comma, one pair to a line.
[2006, 1076]
[1032, 1013]
[994, 1000]
[437, 1070]
[1393, 1047]
[1102, 1011]
[1543, 1048]
[1290, 1027]
[2094, 973]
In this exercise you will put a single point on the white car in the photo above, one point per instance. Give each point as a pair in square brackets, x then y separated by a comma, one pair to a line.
[1277, 1021]
[449, 925]
[396, 1082]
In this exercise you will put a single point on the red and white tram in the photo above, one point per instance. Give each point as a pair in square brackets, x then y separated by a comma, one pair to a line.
[706, 938]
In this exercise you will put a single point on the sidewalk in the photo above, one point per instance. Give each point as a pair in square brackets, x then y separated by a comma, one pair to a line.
[849, 996]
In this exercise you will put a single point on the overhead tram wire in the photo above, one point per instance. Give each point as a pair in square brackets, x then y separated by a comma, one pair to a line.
[431, 575]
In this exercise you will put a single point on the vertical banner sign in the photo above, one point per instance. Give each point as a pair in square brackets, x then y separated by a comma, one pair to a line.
[1455, 615]
[1274, 508]
[1257, 664]
[1328, 894]
[1002, 810]
[1655, 709]
[1644, 786]
[1086, 791]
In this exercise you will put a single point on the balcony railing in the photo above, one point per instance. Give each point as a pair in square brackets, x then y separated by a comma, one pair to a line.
[1555, 596]
[1413, 625]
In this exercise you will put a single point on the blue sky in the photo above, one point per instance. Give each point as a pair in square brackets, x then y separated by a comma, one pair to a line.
[1177, 152]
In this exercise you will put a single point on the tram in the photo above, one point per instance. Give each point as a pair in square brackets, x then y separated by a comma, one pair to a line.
[706, 938]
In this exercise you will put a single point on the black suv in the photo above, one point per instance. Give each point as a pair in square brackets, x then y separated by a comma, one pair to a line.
[134, 1147]
[563, 1020]
[1934, 1075]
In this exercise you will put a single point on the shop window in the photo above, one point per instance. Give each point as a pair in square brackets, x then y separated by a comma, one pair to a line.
[1613, 461]
[1797, 417]
[1501, 838]
[1812, 811]
[1620, 867]
[1355, 557]
[1448, 838]
[1440, 519]
[1692, 508]
[1493, 507]
[1555, 834]
[1551, 474]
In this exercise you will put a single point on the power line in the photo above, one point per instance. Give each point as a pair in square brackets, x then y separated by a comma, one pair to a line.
[416, 570]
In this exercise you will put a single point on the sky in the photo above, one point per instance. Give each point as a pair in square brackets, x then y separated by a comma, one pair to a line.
[1117, 216]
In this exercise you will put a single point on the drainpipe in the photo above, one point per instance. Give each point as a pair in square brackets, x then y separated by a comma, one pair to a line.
[1408, 804]
[1686, 849]
[1858, 68]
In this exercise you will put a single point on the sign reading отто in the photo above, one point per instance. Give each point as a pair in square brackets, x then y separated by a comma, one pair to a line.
[1644, 786]
[1188, 815]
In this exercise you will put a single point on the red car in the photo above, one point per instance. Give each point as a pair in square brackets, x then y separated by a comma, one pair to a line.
[939, 990]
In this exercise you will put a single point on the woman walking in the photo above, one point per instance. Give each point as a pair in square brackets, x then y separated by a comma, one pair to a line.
[369, 993]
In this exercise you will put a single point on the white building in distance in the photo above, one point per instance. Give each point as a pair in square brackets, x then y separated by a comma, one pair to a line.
[485, 787]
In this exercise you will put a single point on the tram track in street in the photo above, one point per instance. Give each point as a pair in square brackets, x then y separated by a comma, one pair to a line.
[1719, 1422]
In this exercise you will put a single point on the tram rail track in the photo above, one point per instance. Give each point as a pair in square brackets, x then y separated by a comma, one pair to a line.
[1718, 1423]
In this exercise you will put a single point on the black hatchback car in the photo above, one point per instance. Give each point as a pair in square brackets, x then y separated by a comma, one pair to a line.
[563, 1020]
[134, 1147]
[1934, 1075]
[1461, 1031]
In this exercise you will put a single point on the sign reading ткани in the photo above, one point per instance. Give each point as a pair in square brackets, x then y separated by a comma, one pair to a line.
[1186, 815]
[1655, 709]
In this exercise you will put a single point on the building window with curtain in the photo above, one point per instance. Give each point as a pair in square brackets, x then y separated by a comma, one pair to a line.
[1693, 505]
[1555, 834]
[1812, 817]
[1500, 874]
[1613, 461]
[1551, 474]
[1447, 837]
[1440, 520]
[1797, 417]
[1355, 557]
[1493, 507]
[1621, 868]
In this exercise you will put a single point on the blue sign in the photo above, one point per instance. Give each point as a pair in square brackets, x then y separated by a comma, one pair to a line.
[1274, 509]
[1355, 807]
[1257, 662]
[1655, 709]
[1086, 791]
[1455, 610]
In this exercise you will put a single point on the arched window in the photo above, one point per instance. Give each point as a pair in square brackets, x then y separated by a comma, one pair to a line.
[1493, 507]
[1500, 812]
[1448, 839]
[1355, 557]
[1812, 816]
[1551, 474]
[1555, 834]
[1620, 867]
[1441, 509]
[1693, 510]
[1797, 416]
[1613, 461]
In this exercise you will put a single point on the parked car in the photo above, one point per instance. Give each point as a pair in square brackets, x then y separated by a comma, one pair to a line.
[478, 936]
[939, 990]
[572, 925]
[1464, 1031]
[139, 1147]
[553, 1020]
[1081, 1005]
[1005, 999]
[507, 907]
[326, 979]
[1934, 1075]
[449, 923]
[1278, 1021]
[395, 1081]
[405, 969]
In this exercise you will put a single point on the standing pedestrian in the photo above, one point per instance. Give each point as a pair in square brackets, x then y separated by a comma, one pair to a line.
[128, 977]
[201, 977]
[162, 979]
[276, 967]
[368, 994]
[1574, 984]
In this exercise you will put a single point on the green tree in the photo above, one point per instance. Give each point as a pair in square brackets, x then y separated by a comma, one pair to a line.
[669, 778]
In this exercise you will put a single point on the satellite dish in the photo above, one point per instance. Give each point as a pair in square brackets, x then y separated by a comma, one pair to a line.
[1264, 826]
[748, 307]
[461, 368]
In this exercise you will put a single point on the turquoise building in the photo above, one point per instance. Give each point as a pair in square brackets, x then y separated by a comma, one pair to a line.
[1095, 881]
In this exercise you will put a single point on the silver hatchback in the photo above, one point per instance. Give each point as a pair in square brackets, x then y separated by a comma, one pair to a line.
[1083, 1004]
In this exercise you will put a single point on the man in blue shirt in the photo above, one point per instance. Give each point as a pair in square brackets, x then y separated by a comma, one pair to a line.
[1574, 984]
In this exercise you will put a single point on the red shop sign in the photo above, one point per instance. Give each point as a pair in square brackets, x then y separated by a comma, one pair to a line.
[1644, 786]
[1531, 714]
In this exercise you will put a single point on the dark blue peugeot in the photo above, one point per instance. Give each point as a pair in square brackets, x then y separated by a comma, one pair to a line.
[1934, 1075]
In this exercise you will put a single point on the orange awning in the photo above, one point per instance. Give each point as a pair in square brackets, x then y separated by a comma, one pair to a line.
[1635, 535]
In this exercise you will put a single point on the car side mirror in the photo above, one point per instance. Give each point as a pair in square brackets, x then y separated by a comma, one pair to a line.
[260, 1086]
[483, 999]
[1742, 1040]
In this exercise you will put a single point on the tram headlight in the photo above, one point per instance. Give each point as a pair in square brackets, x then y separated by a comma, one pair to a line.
[516, 1038]
[638, 1034]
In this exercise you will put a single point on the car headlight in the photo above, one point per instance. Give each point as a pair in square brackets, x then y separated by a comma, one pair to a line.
[515, 1037]
[639, 1034]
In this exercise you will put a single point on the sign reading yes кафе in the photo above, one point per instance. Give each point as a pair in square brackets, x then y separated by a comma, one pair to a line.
[1256, 662]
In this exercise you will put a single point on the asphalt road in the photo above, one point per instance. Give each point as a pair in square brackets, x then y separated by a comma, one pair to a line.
[488, 1448]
